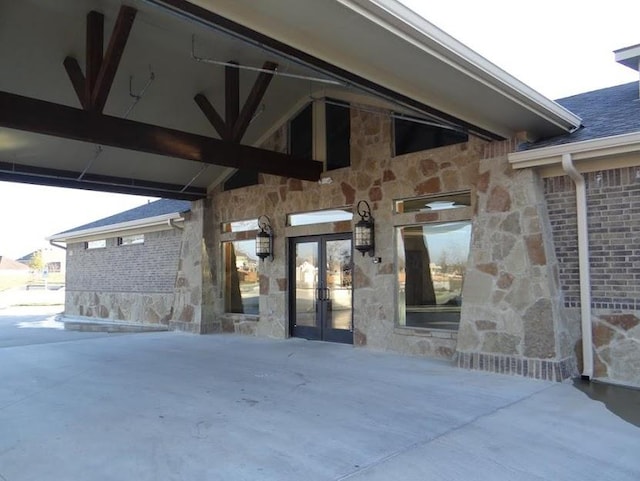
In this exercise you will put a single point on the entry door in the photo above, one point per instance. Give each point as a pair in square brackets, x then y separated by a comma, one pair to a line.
[321, 300]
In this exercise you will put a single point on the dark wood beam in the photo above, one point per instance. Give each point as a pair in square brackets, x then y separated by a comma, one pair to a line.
[231, 96]
[112, 57]
[25, 174]
[77, 80]
[94, 49]
[212, 115]
[253, 101]
[39, 116]
[188, 9]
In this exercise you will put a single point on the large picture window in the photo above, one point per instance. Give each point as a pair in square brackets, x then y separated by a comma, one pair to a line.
[431, 268]
[241, 282]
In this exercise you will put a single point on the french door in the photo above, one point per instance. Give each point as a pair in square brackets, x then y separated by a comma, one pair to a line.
[321, 289]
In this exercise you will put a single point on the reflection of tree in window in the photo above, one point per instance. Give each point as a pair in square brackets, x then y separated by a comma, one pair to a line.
[431, 266]
[233, 299]
[419, 284]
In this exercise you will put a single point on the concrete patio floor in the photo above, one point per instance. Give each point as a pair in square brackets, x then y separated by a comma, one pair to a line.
[172, 406]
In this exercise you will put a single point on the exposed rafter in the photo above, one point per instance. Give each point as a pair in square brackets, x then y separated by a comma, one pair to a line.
[39, 116]
[93, 89]
[233, 127]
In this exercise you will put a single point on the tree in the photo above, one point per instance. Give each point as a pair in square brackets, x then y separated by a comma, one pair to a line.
[36, 263]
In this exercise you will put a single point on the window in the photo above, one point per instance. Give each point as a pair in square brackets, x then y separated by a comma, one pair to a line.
[431, 203]
[431, 268]
[413, 135]
[96, 244]
[131, 240]
[338, 134]
[337, 129]
[319, 217]
[241, 282]
[301, 134]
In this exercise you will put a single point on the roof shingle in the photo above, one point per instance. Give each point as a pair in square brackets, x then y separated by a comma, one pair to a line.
[605, 112]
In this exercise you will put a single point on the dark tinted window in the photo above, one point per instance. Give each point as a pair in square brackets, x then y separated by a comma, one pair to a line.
[412, 136]
[338, 128]
[241, 178]
[301, 134]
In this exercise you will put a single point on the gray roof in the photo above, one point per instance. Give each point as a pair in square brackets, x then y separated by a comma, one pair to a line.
[604, 112]
[152, 209]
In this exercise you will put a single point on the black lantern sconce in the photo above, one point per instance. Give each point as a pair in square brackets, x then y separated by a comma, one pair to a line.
[264, 238]
[364, 230]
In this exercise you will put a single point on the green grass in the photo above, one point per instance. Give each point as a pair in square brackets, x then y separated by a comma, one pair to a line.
[10, 281]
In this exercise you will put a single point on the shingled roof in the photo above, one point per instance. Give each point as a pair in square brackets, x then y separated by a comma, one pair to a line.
[7, 264]
[147, 211]
[605, 112]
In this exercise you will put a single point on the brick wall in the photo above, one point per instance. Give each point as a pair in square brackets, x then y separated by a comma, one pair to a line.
[614, 222]
[141, 268]
[613, 203]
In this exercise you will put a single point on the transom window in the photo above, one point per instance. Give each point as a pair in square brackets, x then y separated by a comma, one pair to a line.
[96, 244]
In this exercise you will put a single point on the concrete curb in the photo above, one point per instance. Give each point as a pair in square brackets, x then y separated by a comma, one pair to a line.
[85, 324]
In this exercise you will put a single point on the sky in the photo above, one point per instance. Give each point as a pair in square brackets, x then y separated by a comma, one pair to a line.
[559, 48]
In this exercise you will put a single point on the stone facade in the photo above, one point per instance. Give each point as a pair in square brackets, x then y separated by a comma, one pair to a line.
[376, 176]
[126, 282]
[613, 222]
[513, 319]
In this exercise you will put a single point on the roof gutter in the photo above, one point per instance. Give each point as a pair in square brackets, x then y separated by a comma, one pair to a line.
[411, 27]
[163, 221]
[588, 149]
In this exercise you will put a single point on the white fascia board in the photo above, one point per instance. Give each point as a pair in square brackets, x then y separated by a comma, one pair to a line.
[403, 22]
[152, 223]
[585, 150]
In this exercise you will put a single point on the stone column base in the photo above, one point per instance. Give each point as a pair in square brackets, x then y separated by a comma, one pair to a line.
[545, 369]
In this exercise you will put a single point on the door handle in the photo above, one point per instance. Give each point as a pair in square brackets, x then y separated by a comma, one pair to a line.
[327, 294]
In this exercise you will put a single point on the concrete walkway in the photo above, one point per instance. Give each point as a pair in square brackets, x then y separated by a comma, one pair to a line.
[172, 406]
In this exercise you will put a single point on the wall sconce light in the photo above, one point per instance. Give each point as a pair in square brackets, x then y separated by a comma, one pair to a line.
[364, 229]
[264, 238]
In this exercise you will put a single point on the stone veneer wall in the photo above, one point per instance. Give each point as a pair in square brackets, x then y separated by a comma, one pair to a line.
[375, 176]
[613, 204]
[129, 283]
[193, 296]
[513, 320]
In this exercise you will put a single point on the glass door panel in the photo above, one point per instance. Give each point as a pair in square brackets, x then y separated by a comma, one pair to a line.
[338, 282]
[321, 304]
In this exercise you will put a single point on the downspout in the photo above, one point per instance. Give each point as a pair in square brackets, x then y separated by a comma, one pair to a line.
[583, 264]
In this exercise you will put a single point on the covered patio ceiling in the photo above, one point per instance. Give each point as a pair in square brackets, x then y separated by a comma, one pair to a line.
[140, 98]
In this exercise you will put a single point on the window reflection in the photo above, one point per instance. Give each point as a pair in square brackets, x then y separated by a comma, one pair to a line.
[431, 267]
[241, 282]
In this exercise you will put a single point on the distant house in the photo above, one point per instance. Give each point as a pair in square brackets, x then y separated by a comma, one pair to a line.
[124, 267]
[9, 266]
[53, 259]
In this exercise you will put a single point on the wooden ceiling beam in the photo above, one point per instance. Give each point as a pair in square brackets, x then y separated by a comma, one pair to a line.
[112, 57]
[253, 101]
[78, 81]
[39, 116]
[94, 50]
[212, 115]
[231, 96]
[26, 174]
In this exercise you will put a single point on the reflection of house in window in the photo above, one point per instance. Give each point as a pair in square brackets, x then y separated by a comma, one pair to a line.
[241, 281]
[431, 266]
